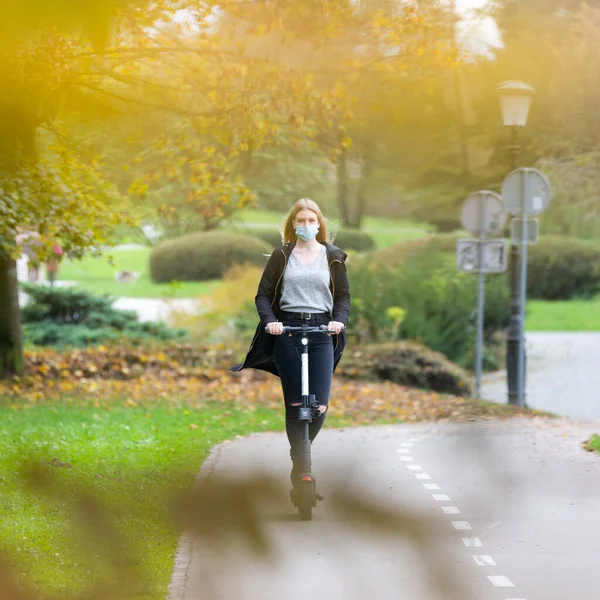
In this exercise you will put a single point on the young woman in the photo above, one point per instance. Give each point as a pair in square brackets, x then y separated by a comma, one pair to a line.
[305, 280]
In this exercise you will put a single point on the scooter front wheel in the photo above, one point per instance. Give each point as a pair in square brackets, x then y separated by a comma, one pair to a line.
[305, 498]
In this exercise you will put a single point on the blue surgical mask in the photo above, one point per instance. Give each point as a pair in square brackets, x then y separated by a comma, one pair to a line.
[307, 232]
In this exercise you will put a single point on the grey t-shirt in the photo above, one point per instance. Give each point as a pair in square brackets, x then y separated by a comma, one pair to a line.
[306, 288]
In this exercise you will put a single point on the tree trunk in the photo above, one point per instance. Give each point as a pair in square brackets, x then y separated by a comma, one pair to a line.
[11, 348]
[363, 186]
[342, 182]
[462, 132]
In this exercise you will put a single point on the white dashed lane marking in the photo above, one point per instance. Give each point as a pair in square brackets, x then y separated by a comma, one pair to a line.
[441, 497]
[500, 581]
[481, 560]
[472, 542]
[451, 510]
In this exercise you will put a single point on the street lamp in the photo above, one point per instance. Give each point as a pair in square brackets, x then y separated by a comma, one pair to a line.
[515, 100]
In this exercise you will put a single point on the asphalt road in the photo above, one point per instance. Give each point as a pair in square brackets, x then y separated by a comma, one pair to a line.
[494, 511]
[563, 375]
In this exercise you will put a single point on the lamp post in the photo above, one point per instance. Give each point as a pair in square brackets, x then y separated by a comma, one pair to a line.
[515, 101]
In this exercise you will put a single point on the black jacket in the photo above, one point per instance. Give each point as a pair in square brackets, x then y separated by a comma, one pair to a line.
[260, 354]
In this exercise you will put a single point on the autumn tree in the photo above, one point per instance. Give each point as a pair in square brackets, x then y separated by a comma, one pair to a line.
[46, 50]
[254, 76]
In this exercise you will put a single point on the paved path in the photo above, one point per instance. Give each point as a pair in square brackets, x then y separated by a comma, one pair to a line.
[150, 309]
[563, 375]
[511, 510]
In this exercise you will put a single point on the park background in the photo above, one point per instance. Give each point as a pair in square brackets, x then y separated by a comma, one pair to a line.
[168, 142]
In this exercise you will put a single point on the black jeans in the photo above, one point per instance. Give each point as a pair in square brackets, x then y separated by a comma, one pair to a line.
[286, 354]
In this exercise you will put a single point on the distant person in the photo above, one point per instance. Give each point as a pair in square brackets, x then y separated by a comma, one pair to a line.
[53, 263]
[30, 241]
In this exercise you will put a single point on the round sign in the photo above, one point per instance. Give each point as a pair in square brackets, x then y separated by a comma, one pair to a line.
[483, 214]
[526, 191]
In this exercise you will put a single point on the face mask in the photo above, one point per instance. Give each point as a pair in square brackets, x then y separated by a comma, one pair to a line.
[307, 232]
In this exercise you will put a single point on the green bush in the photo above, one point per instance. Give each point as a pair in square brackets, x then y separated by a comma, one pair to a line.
[76, 318]
[558, 267]
[205, 256]
[398, 254]
[562, 268]
[445, 224]
[354, 239]
[406, 363]
[271, 236]
[439, 300]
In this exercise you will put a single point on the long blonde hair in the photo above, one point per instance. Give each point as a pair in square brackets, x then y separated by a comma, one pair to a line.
[289, 231]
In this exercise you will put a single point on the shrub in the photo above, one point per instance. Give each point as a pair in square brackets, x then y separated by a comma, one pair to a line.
[398, 254]
[558, 267]
[271, 236]
[229, 313]
[205, 256]
[561, 268]
[406, 363]
[354, 239]
[438, 300]
[74, 317]
[445, 224]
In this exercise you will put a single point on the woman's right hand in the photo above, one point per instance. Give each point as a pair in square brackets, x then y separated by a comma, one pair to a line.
[275, 328]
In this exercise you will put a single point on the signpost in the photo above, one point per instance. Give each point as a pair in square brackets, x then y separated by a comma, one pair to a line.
[494, 255]
[532, 231]
[482, 214]
[525, 192]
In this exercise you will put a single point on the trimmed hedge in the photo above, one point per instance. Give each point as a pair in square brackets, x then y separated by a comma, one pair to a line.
[205, 256]
[445, 224]
[562, 268]
[354, 239]
[271, 236]
[406, 363]
[558, 267]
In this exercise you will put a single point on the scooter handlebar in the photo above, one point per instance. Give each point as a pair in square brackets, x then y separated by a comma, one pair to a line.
[316, 329]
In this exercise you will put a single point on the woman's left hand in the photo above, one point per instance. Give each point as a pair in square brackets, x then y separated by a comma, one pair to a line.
[335, 326]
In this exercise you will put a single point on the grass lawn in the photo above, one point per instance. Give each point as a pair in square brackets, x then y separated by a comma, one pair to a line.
[567, 315]
[593, 444]
[132, 459]
[385, 232]
[98, 275]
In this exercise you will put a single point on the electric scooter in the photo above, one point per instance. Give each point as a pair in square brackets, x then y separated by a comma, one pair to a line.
[304, 494]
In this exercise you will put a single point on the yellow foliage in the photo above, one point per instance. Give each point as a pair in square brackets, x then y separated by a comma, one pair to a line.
[234, 297]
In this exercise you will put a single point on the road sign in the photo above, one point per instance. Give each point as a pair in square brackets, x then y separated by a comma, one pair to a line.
[494, 256]
[483, 214]
[532, 231]
[526, 190]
